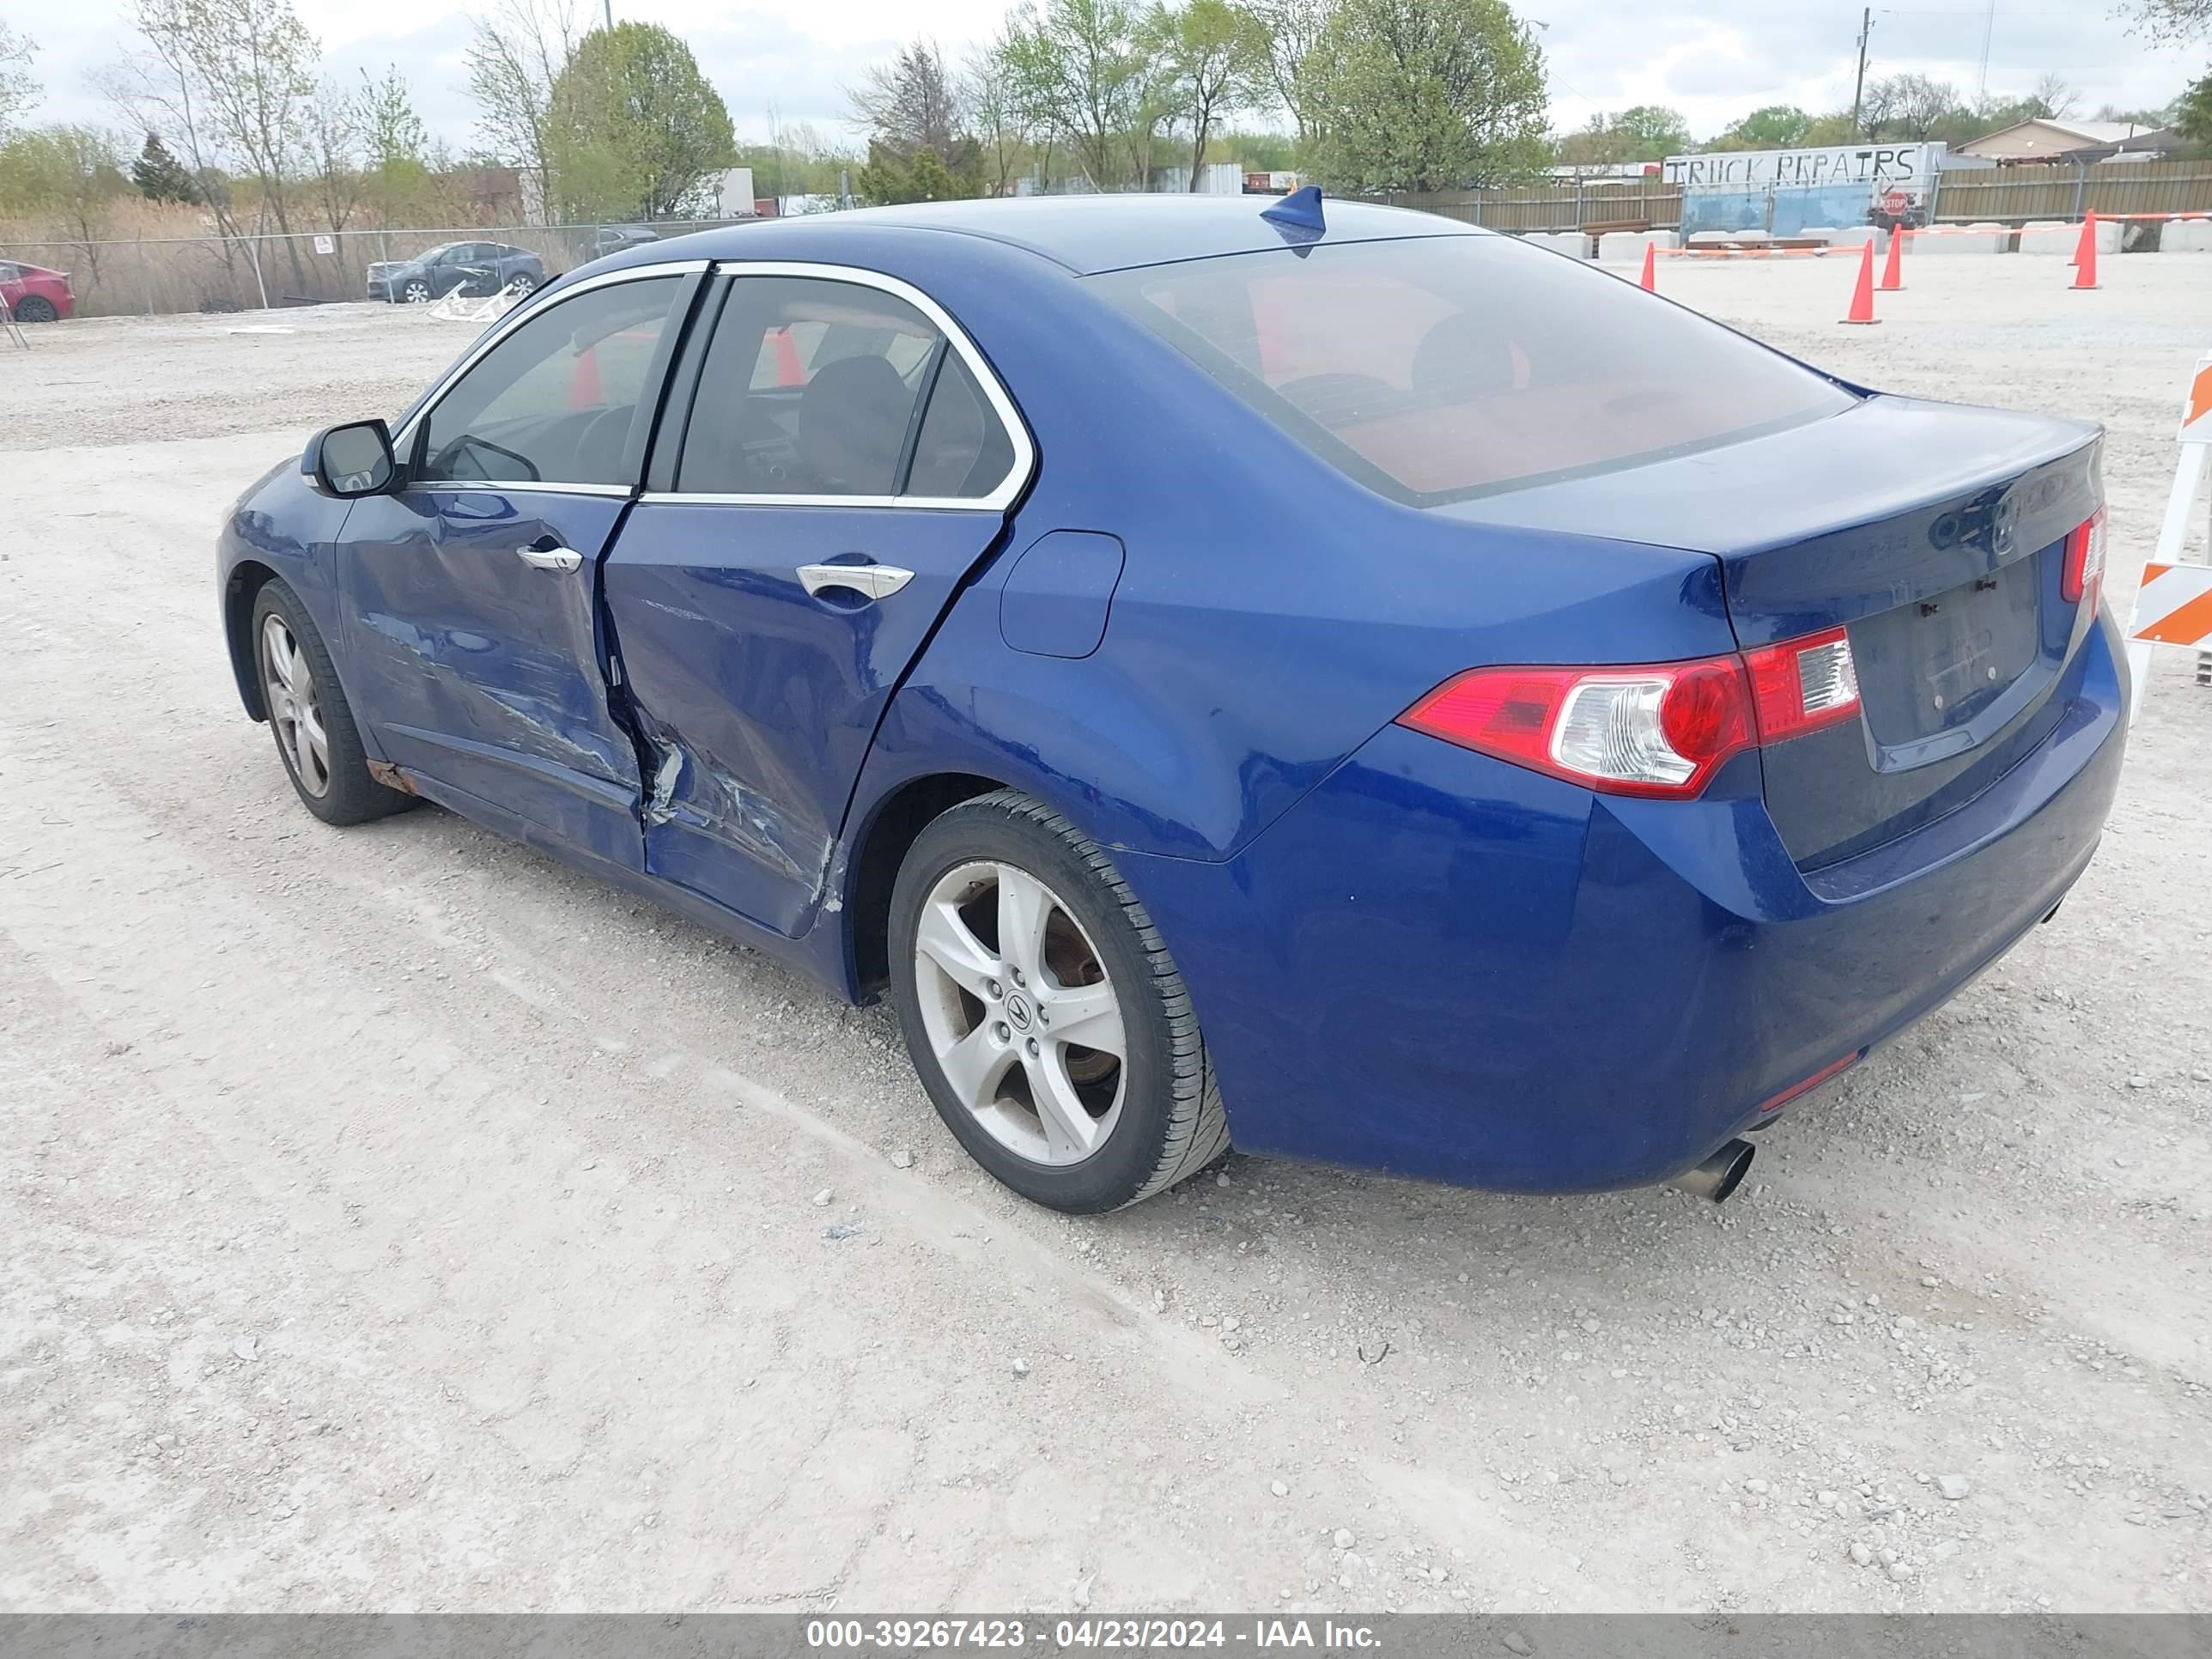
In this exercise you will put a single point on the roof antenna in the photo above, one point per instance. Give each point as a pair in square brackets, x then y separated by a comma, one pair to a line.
[1299, 211]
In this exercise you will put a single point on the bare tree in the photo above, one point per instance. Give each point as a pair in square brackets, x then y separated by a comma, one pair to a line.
[1293, 28]
[227, 82]
[1912, 105]
[333, 133]
[2054, 96]
[1004, 127]
[516, 56]
[19, 87]
[910, 104]
[1216, 58]
[157, 89]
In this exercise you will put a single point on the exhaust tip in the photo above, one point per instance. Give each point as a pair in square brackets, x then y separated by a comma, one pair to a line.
[1720, 1173]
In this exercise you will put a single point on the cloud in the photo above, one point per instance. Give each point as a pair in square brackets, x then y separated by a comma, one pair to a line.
[796, 56]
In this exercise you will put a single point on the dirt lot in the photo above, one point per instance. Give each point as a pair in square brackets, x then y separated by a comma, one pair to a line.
[394, 1220]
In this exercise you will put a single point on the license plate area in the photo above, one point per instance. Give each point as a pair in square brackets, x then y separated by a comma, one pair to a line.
[1932, 667]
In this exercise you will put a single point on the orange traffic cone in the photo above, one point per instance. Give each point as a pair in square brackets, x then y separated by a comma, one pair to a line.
[584, 388]
[1862, 294]
[2085, 256]
[1649, 281]
[1893, 269]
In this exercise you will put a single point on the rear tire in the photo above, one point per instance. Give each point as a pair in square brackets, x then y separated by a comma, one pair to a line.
[35, 309]
[309, 716]
[1078, 1126]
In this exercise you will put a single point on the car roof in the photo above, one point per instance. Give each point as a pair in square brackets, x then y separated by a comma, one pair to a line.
[1087, 235]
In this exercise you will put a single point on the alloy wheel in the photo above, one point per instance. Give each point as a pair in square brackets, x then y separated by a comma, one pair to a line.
[1020, 1014]
[296, 709]
[416, 292]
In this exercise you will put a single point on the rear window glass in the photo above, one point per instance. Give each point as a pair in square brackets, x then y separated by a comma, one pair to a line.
[1437, 368]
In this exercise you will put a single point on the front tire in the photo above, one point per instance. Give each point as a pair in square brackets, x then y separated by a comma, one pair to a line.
[417, 292]
[1044, 1012]
[314, 725]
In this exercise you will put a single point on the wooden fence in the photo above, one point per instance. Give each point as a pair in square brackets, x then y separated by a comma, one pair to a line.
[1962, 196]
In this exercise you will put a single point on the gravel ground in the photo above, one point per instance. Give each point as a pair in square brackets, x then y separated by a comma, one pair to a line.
[395, 1220]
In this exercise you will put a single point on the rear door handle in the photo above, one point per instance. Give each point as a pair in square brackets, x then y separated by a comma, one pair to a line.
[550, 558]
[874, 581]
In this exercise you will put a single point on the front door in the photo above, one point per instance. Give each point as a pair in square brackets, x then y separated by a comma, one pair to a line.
[847, 460]
[472, 591]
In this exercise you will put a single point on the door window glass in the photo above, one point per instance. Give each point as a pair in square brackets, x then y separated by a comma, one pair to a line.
[553, 401]
[964, 451]
[816, 388]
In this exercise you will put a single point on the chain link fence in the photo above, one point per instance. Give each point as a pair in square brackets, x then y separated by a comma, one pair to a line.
[156, 275]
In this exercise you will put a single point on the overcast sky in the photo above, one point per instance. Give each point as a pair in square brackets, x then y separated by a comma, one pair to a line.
[1712, 59]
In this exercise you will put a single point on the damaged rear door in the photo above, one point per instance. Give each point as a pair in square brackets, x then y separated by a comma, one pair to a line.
[836, 459]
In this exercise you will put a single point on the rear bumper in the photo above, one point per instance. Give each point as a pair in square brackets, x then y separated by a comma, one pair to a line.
[1445, 966]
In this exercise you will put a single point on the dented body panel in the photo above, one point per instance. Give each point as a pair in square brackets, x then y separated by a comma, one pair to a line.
[755, 699]
[1202, 670]
[483, 671]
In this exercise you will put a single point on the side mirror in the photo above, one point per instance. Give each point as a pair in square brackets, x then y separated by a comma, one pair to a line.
[351, 460]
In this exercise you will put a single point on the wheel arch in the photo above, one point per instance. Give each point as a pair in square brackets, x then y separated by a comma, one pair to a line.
[239, 590]
[879, 848]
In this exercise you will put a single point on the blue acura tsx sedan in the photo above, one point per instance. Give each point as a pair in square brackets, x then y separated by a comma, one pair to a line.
[1308, 676]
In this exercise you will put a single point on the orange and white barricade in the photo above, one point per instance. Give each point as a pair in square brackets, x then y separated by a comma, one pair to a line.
[2174, 604]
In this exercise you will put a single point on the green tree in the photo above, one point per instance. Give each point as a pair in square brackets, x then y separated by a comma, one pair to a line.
[1079, 66]
[887, 177]
[160, 176]
[395, 146]
[1428, 95]
[19, 87]
[636, 128]
[72, 175]
[2192, 115]
[1260, 152]
[1005, 127]
[1216, 59]
[1646, 132]
[1773, 126]
[2172, 19]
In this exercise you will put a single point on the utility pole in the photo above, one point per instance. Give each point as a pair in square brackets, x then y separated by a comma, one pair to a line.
[610, 5]
[1858, 86]
[1989, 28]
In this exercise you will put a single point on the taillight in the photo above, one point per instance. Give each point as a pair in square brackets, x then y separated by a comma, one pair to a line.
[2083, 583]
[1659, 730]
[1802, 685]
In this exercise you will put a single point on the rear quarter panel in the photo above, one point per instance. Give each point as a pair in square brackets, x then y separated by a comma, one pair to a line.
[1271, 614]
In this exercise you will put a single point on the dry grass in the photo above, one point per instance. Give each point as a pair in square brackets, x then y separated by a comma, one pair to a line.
[147, 256]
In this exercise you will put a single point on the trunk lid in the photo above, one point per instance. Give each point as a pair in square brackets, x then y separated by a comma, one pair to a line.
[1934, 535]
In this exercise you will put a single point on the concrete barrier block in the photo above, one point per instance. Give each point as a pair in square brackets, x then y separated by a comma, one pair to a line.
[2062, 240]
[1849, 235]
[1948, 241]
[1626, 246]
[2185, 236]
[1574, 243]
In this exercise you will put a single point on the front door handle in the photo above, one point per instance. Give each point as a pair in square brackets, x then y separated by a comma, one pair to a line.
[873, 581]
[550, 558]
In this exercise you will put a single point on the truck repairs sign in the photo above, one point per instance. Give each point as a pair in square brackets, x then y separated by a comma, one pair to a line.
[1785, 191]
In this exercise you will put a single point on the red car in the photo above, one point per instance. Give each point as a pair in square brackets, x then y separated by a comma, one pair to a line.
[35, 295]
